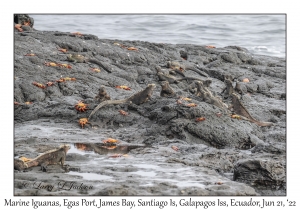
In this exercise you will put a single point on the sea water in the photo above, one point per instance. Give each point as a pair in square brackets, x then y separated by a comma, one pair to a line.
[260, 34]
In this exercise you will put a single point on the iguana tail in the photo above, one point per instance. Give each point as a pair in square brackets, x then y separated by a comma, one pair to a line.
[121, 101]
[259, 123]
[263, 123]
[32, 163]
[189, 78]
[99, 63]
[199, 71]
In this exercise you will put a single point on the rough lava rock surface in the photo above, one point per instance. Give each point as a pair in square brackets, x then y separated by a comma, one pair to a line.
[217, 156]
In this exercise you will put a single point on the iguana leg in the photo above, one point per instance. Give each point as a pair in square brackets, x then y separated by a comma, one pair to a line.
[223, 90]
[131, 105]
[44, 166]
[62, 161]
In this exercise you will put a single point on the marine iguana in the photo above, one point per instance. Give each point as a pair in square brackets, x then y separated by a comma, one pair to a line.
[102, 95]
[240, 88]
[52, 157]
[183, 67]
[171, 79]
[183, 54]
[229, 89]
[166, 90]
[204, 93]
[193, 87]
[76, 58]
[173, 71]
[138, 98]
[240, 109]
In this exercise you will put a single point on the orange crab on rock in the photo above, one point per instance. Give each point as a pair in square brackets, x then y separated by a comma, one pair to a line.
[50, 64]
[61, 80]
[39, 85]
[175, 148]
[235, 116]
[124, 87]
[219, 183]
[191, 105]
[95, 70]
[80, 106]
[179, 101]
[132, 48]
[64, 65]
[115, 155]
[49, 84]
[30, 54]
[77, 33]
[210, 46]
[186, 99]
[62, 50]
[122, 112]
[245, 80]
[199, 119]
[109, 147]
[83, 121]
[69, 79]
[110, 141]
[219, 114]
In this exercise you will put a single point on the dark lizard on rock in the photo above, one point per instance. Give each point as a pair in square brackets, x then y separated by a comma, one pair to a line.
[193, 87]
[240, 88]
[138, 98]
[76, 58]
[52, 157]
[168, 72]
[166, 90]
[171, 79]
[229, 89]
[183, 67]
[204, 93]
[240, 109]
[102, 94]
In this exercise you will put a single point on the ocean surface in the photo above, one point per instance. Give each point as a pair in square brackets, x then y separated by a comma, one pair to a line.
[260, 34]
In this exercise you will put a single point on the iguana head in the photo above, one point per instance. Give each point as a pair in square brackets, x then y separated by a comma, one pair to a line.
[151, 86]
[66, 147]
[75, 57]
[158, 69]
[169, 64]
[228, 77]
[207, 82]
[164, 83]
[199, 83]
[70, 57]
